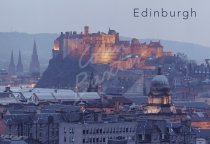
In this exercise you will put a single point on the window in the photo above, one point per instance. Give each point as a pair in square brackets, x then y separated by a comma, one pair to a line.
[123, 129]
[126, 129]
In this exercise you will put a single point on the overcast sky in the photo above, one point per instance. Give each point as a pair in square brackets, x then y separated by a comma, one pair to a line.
[54, 16]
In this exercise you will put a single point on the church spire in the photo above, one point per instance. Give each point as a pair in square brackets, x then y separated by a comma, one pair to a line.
[19, 65]
[34, 64]
[11, 69]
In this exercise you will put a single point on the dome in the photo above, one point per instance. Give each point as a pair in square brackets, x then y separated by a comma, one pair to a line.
[160, 81]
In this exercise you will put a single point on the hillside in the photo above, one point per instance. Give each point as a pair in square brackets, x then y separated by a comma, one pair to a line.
[61, 73]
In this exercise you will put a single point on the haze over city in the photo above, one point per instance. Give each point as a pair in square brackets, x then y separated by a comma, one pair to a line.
[101, 72]
[64, 15]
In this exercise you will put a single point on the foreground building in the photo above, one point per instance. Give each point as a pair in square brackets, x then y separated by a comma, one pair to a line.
[164, 132]
[51, 117]
[97, 132]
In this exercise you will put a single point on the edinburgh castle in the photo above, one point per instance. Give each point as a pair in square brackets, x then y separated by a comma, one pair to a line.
[107, 48]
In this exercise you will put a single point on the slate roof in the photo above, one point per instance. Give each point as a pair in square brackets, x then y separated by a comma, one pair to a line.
[203, 133]
[191, 104]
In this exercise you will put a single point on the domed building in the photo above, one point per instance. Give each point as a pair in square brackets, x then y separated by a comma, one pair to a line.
[159, 98]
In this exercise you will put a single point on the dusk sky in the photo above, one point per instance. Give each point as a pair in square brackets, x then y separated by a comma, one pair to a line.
[54, 16]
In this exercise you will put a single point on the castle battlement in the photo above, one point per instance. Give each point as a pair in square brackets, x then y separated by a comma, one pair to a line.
[105, 48]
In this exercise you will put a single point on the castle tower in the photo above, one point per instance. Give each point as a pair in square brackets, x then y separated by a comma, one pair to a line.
[34, 64]
[11, 68]
[19, 65]
[159, 99]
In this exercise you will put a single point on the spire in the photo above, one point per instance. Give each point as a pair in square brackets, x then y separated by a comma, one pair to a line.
[11, 68]
[34, 49]
[159, 71]
[93, 87]
[34, 64]
[19, 65]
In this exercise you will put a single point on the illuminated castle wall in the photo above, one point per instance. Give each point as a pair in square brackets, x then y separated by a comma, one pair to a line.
[106, 48]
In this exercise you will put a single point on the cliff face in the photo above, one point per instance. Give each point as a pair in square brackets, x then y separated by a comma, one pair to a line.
[63, 73]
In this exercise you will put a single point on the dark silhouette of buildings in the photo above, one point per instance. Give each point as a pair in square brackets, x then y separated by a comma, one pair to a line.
[11, 69]
[34, 64]
[19, 68]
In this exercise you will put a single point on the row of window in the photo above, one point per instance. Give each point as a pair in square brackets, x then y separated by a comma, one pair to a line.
[92, 140]
[108, 130]
[102, 131]
[71, 130]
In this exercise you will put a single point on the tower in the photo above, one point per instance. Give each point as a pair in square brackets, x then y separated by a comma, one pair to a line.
[159, 98]
[34, 64]
[11, 68]
[86, 30]
[19, 68]
[93, 87]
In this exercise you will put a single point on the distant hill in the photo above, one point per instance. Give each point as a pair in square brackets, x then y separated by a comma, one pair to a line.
[22, 41]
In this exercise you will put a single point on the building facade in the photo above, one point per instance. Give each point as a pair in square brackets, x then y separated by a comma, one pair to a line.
[106, 48]
[96, 133]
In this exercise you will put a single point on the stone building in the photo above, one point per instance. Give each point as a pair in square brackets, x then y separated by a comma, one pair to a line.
[164, 132]
[97, 132]
[106, 48]
[159, 99]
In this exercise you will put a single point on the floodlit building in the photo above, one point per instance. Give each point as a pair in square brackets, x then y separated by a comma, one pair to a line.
[159, 99]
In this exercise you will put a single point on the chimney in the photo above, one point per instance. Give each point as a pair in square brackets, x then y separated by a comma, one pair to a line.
[86, 30]
[7, 89]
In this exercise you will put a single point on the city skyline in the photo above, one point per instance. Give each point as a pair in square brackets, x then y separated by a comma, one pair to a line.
[104, 72]
[54, 17]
